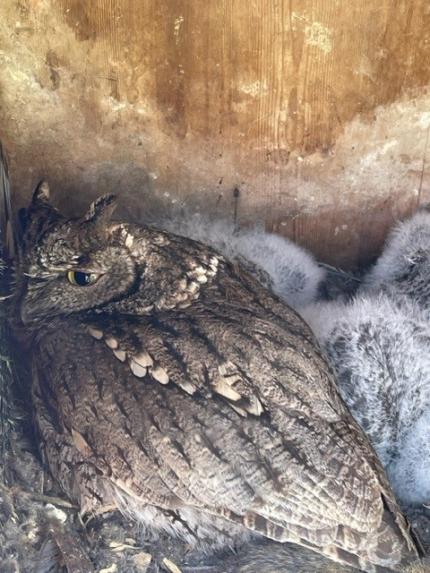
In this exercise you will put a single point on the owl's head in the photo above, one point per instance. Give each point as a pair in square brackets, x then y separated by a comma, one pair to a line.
[92, 264]
[68, 265]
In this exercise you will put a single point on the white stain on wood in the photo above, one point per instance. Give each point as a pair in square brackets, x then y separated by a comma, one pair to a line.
[320, 36]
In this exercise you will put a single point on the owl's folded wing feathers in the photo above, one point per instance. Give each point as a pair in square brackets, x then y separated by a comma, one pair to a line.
[226, 416]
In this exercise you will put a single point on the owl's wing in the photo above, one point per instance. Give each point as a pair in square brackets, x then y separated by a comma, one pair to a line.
[237, 417]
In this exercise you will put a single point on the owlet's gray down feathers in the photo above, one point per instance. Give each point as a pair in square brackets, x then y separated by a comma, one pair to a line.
[169, 383]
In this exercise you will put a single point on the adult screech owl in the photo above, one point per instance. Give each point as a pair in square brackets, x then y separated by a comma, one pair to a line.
[169, 383]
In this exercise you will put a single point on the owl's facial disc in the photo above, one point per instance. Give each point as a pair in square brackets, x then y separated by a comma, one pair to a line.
[61, 284]
[72, 265]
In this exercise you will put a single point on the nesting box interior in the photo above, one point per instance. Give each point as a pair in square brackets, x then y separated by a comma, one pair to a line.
[311, 115]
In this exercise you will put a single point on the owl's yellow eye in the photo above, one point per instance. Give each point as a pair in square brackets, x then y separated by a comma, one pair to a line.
[79, 278]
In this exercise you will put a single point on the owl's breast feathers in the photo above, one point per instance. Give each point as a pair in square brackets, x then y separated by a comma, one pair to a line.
[226, 407]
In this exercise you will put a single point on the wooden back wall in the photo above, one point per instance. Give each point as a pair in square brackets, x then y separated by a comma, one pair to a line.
[312, 115]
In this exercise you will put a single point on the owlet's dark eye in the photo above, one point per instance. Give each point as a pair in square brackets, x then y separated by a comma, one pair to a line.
[79, 278]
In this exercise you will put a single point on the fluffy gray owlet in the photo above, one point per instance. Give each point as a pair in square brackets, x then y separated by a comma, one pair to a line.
[403, 269]
[381, 354]
[378, 344]
[169, 383]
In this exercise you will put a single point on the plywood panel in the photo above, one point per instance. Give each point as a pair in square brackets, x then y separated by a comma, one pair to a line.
[316, 111]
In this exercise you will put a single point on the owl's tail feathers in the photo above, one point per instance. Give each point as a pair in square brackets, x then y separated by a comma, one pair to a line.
[389, 548]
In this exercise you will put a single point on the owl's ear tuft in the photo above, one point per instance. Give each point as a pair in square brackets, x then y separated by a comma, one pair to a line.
[101, 210]
[42, 193]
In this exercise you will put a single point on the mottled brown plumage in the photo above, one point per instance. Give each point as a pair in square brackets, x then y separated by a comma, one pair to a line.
[172, 385]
